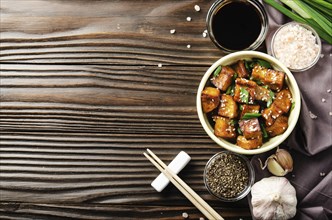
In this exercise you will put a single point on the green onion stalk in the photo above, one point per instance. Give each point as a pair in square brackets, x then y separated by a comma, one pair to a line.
[315, 13]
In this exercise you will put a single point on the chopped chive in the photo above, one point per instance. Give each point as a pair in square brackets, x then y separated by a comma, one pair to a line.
[263, 63]
[265, 134]
[270, 100]
[239, 131]
[235, 76]
[217, 71]
[250, 115]
[244, 95]
[241, 107]
[293, 106]
[233, 122]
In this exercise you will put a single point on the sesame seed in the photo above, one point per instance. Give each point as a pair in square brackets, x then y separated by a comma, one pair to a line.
[188, 46]
[160, 65]
[172, 31]
[205, 31]
[323, 100]
[328, 91]
[201, 218]
[322, 55]
[330, 113]
[204, 34]
[185, 215]
[188, 18]
[322, 174]
[197, 8]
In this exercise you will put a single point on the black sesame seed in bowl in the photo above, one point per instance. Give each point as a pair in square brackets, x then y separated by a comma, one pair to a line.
[228, 176]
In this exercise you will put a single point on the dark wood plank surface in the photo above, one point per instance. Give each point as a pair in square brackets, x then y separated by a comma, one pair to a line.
[82, 96]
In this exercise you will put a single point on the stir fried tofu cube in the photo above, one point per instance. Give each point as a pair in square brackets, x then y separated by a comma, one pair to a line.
[250, 128]
[283, 100]
[249, 109]
[278, 127]
[210, 98]
[280, 105]
[272, 78]
[224, 79]
[224, 128]
[249, 144]
[228, 107]
[244, 91]
[241, 69]
[262, 94]
[271, 114]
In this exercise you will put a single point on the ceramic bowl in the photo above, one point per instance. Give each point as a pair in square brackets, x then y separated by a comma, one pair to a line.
[292, 85]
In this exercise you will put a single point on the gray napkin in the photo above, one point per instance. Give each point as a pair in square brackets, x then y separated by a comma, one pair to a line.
[310, 144]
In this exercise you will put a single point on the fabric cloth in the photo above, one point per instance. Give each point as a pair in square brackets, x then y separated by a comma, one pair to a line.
[310, 143]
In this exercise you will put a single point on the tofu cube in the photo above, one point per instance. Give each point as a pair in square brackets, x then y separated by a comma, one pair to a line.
[244, 91]
[224, 128]
[262, 94]
[224, 79]
[274, 79]
[278, 127]
[249, 109]
[283, 100]
[241, 141]
[210, 98]
[228, 107]
[241, 69]
[250, 128]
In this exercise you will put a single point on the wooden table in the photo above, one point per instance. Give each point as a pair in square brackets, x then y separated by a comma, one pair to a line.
[86, 87]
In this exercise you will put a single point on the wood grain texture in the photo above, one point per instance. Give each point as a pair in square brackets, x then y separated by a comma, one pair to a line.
[82, 97]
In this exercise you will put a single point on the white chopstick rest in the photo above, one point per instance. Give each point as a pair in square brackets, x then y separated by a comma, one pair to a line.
[177, 164]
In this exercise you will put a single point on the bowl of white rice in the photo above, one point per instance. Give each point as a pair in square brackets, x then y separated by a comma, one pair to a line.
[297, 46]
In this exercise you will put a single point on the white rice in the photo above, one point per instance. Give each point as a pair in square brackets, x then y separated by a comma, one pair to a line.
[295, 46]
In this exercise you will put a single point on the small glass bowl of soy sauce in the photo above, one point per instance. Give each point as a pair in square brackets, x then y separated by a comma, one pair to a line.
[235, 25]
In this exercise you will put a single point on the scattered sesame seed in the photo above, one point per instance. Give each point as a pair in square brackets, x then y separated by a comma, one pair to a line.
[188, 46]
[323, 100]
[312, 115]
[172, 31]
[322, 174]
[197, 8]
[330, 113]
[201, 218]
[322, 55]
[185, 215]
[188, 18]
[205, 31]
[330, 54]
[204, 34]
[328, 91]
[160, 65]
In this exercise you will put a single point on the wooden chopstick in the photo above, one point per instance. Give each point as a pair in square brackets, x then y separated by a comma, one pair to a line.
[205, 208]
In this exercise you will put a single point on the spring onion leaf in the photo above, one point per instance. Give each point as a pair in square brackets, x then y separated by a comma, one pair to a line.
[250, 115]
[239, 131]
[293, 106]
[244, 95]
[264, 63]
[265, 134]
[305, 13]
[217, 71]
[271, 98]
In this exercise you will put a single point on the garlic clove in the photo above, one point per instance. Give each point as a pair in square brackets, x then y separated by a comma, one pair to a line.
[274, 167]
[284, 159]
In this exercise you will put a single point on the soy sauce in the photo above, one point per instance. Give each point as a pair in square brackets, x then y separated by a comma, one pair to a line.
[236, 25]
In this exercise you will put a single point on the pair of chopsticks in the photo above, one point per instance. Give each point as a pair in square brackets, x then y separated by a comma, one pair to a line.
[205, 208]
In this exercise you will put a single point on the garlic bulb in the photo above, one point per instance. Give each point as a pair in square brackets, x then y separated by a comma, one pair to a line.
[273, 198]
